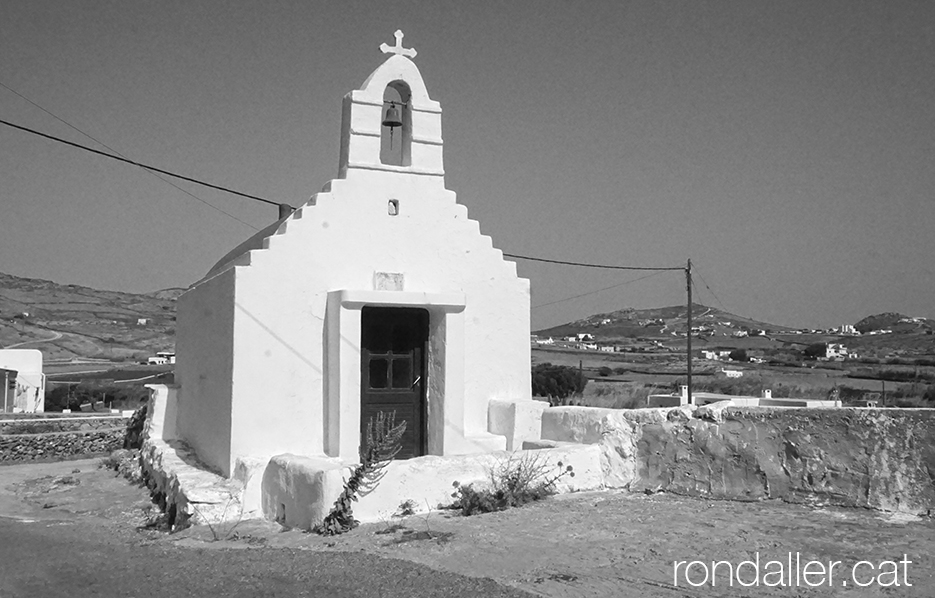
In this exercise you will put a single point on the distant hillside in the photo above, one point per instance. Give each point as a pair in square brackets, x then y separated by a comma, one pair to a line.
[170, 294]
[658, 322]
[893, 322]
[68, 321]
[887, 334]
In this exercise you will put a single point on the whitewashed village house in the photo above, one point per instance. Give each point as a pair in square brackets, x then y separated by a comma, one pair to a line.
[379, 294]
[23, 381]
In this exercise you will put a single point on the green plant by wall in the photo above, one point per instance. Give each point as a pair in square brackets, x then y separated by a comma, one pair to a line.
[382, 444]
[133, 438]
[513, 483]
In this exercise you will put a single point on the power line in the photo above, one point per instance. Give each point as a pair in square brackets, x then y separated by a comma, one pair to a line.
[710, 290]
[585, 265]
[271, 202]
[596, 291]
[141, 165]
[155, 174]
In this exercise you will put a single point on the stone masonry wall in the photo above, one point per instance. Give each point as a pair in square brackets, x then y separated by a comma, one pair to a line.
[52, 439]
[59, 446]
[876, 458]
[60, 424]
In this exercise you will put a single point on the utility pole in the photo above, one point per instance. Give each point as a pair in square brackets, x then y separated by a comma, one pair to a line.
[688, 284]
[6, 383]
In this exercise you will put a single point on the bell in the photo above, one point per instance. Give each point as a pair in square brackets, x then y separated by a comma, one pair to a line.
[392, 119]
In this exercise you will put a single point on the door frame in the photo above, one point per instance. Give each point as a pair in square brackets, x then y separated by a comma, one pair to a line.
[444, 369]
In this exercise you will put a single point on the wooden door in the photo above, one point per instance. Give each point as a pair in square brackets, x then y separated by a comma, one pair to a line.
[392, 374]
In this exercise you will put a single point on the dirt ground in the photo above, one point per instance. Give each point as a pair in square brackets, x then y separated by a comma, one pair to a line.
[587, 544]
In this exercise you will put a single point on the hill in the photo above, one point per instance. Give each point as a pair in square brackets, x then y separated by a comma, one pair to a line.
[171, 294]
[883, 335]
[72, 321]
[660, 322]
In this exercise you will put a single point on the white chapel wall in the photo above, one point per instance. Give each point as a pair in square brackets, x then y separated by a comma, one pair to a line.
[204, 344]
[338, 243]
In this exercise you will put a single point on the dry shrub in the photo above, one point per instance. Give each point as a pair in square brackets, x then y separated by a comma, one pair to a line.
[513, 483]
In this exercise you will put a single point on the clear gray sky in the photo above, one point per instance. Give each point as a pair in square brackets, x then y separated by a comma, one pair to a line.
[786, 147]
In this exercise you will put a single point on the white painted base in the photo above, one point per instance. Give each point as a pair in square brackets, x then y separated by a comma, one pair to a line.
[300, 491]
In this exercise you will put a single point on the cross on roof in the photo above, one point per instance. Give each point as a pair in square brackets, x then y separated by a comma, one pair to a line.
[398, 48]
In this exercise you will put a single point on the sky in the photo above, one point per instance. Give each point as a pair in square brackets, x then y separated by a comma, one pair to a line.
[786, 147]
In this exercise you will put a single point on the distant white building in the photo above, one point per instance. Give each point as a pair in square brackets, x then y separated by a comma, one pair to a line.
[24, 382]
[835, 352]
[162, 358]
[911, 320]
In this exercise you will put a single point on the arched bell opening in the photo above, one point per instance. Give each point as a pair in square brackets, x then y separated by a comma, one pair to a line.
[396, 125]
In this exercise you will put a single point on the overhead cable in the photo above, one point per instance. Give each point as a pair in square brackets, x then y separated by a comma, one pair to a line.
[594, 292]
[710, 290]
[271, 202]
[585, 265]
[155, 174]
[141, 165]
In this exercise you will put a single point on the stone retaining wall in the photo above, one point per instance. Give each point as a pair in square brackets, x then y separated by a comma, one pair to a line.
[60, 424]
[59, 437]
[59, 446]
[875, 458]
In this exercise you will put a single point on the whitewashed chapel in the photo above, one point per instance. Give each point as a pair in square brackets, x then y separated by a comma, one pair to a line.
[378, 294]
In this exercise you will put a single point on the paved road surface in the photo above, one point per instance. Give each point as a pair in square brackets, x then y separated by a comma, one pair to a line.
[49, 559]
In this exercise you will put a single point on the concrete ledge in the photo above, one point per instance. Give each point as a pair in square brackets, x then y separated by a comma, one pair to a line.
[300, 491]
[585, 424]
[518, 420]
[538, 445]
[186, 489]
[162, 411]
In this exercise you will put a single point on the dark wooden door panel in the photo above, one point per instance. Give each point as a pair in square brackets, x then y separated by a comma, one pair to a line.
[393, 371]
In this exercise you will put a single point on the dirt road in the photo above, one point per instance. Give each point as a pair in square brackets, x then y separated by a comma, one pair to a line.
[599, 544]
[69, 530]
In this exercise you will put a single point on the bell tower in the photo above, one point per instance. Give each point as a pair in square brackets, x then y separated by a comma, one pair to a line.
[394, 109]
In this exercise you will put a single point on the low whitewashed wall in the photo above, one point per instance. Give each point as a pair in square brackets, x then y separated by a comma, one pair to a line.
[875, 458]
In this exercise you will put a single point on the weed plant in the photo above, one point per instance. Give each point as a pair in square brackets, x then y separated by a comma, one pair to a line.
[513, 483]
[383, 443]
